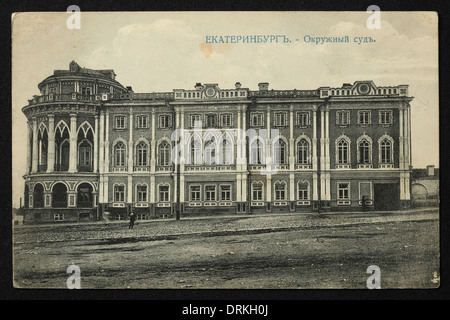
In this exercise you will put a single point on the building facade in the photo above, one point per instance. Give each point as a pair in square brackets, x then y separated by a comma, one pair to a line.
[95, 146]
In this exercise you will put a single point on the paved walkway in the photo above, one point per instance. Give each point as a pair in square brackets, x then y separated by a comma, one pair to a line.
[213, 225]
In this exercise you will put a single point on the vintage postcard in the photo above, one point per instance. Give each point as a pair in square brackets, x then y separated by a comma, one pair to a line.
[225, 150]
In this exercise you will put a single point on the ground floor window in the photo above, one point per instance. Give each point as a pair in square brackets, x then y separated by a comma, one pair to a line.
[164, 193]
[119, 193]
[195, 193]
[343, 191]
[142, 193]
[225, 193]
[58, 217]
[257, 191]
[210, 192]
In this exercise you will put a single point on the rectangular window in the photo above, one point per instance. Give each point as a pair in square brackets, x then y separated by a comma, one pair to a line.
[386, 117]
[195, 193]
[164, 121]
[365, 190]
[119, 193]
[226, 119]
[343, 118]
[58, 217]
[211, 120]
[256, 119]
[225, 193]
[142, 193]
[303, 119]
[344, 191]
[86, 90]
[120, 122]
[364, 117]
[302, 191]
[142, 122]
[52, 90]
[210, 193]
[196, 118]
[164, 193]
[280, 119]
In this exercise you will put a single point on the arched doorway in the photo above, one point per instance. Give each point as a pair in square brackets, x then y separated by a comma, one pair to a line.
[84, 196]
[38, 196]
[59, 196]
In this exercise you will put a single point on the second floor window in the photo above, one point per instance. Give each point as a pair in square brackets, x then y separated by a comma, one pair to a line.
[364, 152]
[164, 153]
[119, 155]
[386, 151]
[342, 152]
[302, 152]
[141, 154]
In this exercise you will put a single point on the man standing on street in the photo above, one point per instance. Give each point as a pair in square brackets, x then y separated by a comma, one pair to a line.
[132, 219]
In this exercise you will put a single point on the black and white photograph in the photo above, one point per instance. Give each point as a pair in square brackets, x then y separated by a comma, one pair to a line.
[225, 150]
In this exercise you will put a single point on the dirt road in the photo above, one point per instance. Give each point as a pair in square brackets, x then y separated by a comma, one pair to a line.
[328, 252]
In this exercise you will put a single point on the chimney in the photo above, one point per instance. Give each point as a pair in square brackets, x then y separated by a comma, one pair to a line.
[430, 170]
[198, 86]
[238, 85]
[263, 86]
[130, 89]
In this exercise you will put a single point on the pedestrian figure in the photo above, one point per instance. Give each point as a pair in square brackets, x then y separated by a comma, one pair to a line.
[364, 203]
[132, 219]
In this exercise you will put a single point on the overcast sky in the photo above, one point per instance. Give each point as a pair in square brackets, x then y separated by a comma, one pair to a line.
[165, 51]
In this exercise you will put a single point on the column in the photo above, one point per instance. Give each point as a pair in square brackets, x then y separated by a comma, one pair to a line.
[96, 144]
[106, 164]
[73, 143]
[407, 152]
[182, 146]
[130, 143]
[327, 155]
[269, 158]
[244, 176]
[322, 155]
[291, 141]
[51, 144]
[314, 157]
[101, 156]
[239, 158]
[34, 162]
[153, 160]
[28, 148]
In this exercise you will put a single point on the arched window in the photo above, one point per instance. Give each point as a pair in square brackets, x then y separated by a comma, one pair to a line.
[343, 151]
[59, 195]
[303, 190]
[84, 196]
[257, 191]
[210, 151]
[257, 152]
[364, 152]
[38, 196]
[303, 152]
[85, 156]
[141, 154]
[280, 152]
[196, 151]
[386, 151]
[119, 154]
[280, 190]
[227, 151]
[164, 153]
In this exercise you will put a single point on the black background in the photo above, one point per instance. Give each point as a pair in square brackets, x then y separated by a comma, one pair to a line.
[282, 303]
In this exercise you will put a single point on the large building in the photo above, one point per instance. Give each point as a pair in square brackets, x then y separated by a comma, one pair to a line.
[95, 146]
